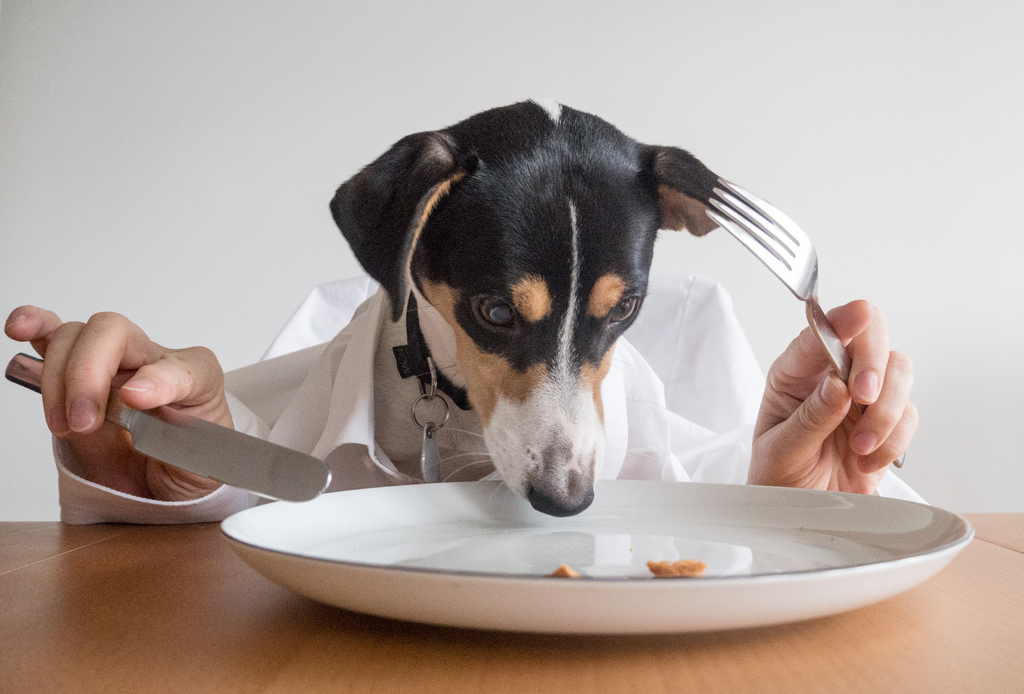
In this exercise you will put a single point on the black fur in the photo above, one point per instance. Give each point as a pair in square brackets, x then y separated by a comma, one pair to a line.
[518, 168]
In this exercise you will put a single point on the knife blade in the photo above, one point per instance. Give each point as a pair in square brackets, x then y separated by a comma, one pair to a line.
[205, 448]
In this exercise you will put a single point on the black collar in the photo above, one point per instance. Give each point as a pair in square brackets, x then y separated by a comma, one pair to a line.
[412, 359]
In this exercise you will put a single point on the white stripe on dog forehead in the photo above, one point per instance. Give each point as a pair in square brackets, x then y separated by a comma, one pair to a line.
[553, 108]
[563, 361]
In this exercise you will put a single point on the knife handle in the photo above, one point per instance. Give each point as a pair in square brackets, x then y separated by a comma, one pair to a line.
[27, 371]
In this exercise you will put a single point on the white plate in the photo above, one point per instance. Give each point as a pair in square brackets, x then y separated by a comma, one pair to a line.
[473, 555]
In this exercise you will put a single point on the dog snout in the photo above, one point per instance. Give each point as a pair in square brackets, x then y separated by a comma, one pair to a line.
[563, 483]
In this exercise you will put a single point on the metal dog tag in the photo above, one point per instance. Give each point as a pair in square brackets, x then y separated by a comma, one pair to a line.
[430, 457]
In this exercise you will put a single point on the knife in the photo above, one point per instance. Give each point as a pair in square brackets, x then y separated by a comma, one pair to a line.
[203, 447]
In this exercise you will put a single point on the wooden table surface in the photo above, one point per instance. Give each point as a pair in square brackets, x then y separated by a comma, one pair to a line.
[118, 608]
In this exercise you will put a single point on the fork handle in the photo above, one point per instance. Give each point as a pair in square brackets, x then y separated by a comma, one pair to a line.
[823, 330]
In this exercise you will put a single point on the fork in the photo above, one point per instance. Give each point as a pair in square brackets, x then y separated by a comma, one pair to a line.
[786, 250]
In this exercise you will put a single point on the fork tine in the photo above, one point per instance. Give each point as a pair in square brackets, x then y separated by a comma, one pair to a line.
[765, 253]
[760, 219]
[773, 214]
[759, 226]
[751, 228]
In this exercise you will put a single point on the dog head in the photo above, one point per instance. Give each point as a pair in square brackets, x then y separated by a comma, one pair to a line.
[531, 229]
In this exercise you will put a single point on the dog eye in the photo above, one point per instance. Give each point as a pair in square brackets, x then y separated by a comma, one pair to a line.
[624, 309]
[496, 311]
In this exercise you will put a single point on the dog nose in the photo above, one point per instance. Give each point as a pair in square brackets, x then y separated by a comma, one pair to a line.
[561, 500]
[560, 488]
[556, 503]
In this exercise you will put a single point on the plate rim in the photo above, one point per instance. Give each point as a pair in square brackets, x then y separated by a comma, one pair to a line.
[877, 580]
[961, 540]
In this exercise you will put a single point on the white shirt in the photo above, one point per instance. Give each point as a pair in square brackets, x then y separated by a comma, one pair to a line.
[680, 400]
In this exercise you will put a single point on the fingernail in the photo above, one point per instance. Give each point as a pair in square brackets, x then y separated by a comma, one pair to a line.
[863, 442]
[831, 392]
[140, 385]
[58, 421]
[82, 415]
[867, 385]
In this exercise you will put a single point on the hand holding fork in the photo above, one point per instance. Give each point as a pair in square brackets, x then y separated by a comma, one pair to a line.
[782, 246]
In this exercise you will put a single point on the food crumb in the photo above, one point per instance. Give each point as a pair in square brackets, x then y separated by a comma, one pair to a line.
[564, 571]
[684, 568]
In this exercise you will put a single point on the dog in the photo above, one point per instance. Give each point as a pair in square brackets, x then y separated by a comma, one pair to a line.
[515, 249]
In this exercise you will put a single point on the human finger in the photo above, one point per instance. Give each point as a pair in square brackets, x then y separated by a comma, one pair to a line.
[798, 369]
[784, 454]
[33, 325]
[896, 444]
[881, 418]
[107, 343]
[187, 378]
[59, 345]
[864, 329]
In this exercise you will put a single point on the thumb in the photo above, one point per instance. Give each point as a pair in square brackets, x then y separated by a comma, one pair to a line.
[801, 435]
[189, 379]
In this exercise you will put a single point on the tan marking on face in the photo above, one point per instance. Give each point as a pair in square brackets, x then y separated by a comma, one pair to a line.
[426, 207]
[594, 376]
[607, 292]
[531, 298]
[489, 377]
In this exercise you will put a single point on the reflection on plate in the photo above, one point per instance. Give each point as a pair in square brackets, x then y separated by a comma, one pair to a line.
[474, 555]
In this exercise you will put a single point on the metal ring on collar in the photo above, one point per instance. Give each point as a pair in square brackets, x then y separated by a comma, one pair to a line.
[427, 397]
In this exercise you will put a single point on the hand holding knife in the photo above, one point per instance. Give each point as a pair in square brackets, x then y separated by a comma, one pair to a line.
[205, 448]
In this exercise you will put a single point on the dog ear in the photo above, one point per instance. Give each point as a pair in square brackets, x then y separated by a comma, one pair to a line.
[684, 186]
[382, 209]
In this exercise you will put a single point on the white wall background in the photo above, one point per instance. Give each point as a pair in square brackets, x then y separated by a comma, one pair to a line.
[173, 161]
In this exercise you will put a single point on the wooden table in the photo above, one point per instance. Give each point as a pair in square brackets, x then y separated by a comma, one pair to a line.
[119, 608]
